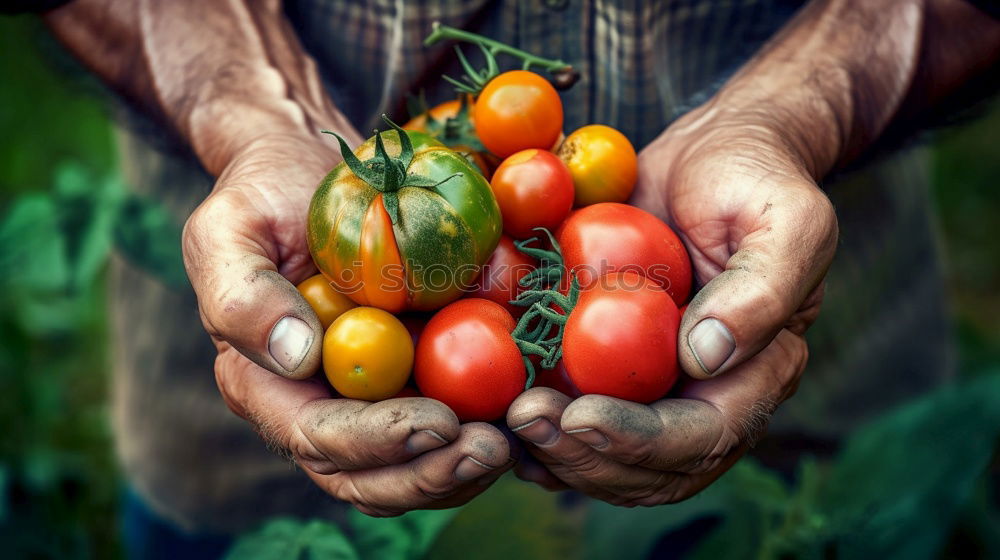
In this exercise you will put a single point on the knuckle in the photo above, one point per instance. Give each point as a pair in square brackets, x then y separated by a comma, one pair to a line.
[635, 454]
[727, 443]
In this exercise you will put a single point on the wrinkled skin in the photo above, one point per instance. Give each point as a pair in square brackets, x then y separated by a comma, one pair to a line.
[244, 248]
[761, 236]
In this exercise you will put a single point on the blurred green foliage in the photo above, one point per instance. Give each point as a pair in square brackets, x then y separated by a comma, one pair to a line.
[909, 485]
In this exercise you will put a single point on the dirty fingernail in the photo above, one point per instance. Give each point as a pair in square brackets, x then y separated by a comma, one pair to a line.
[712, 344]
[539, 431]
[469, 468]
[591, 437]
[289, 342]
[424, 440]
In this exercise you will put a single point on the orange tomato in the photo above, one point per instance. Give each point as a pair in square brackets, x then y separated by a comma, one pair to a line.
[603, 164]
[327, 302]
[439, 112]
[518, 110]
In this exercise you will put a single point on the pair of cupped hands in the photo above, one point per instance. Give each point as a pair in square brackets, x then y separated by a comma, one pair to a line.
[761, 236]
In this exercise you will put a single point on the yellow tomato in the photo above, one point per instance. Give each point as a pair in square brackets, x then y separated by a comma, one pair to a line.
[367, 354]
[325, 301]
[603, 164]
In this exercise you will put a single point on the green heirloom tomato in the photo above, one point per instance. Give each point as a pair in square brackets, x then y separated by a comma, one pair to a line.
[403, 223]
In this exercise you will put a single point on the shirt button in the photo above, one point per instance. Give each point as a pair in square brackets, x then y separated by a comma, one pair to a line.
[556, 5]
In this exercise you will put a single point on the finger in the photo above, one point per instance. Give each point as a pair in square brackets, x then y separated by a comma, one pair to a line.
[530, 469]
[242, 297]
[446, 477]
[327, 434]
[696, 433]
[667, 435]
[780, 260]
[353, 435]
[536, 416]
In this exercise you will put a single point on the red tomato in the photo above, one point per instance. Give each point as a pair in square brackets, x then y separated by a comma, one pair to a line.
[467, 359]
[501, 274]
[518, 110]
[556, 378]
[621, 339]
[611, 237]
[534, 189]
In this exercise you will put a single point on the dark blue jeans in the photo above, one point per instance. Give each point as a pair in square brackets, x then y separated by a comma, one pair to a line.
[147, 536]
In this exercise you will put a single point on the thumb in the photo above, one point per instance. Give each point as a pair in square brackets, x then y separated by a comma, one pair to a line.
[777, 266]
[242, 297]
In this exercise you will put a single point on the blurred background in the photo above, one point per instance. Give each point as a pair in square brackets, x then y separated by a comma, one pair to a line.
[919, 482]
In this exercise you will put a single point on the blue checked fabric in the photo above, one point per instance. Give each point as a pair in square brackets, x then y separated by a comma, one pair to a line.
[882, 336]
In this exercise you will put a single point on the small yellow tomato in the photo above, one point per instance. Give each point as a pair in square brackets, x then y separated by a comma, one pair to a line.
[603, 164]
[367, 354]
[327, 302]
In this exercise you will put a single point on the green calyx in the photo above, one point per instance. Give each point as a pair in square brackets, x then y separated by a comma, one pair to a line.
[385, 173]
[452, 131]
[539, 332]
[563, 75]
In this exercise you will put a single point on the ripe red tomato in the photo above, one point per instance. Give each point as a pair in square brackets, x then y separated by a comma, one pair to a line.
[557, 378]
[621, 339]
[534, 189]
[611, 237]
[501, 274]
[467, 359]
[518, 110]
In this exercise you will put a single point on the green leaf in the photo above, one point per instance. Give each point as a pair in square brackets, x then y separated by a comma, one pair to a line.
[408, 536]
[146, 234]
[512, 520]
[3, 493]
[87, 209]
[290, 539]
[745, 495]
[32, 250]
[901, 481]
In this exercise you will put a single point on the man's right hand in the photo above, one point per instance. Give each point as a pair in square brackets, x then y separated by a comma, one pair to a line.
[243, 249]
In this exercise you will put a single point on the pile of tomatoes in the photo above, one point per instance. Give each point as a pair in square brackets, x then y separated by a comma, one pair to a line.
[429, 236]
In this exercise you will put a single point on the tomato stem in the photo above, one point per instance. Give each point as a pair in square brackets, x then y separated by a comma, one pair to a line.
[563, 74]
[385, 173]
[539, 331]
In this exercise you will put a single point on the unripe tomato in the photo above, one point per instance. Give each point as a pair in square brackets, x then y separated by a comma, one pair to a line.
[410, 240]
[501, 274]
[621, 339]
[467, 359]
[367, 354]
[518, 110]
[327, 302]
[602, 162]
[534, 189]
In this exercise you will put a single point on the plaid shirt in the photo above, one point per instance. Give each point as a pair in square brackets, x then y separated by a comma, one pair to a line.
[882, 332]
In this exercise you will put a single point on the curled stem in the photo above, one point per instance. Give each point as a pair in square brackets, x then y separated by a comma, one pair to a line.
[563, 74]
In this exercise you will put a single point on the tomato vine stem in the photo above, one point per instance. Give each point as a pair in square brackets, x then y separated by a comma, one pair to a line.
[387, 174]
[563, 74]
[539, 331]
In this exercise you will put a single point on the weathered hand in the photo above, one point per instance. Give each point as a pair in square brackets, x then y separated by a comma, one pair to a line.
[761, 236]
[244, 247]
